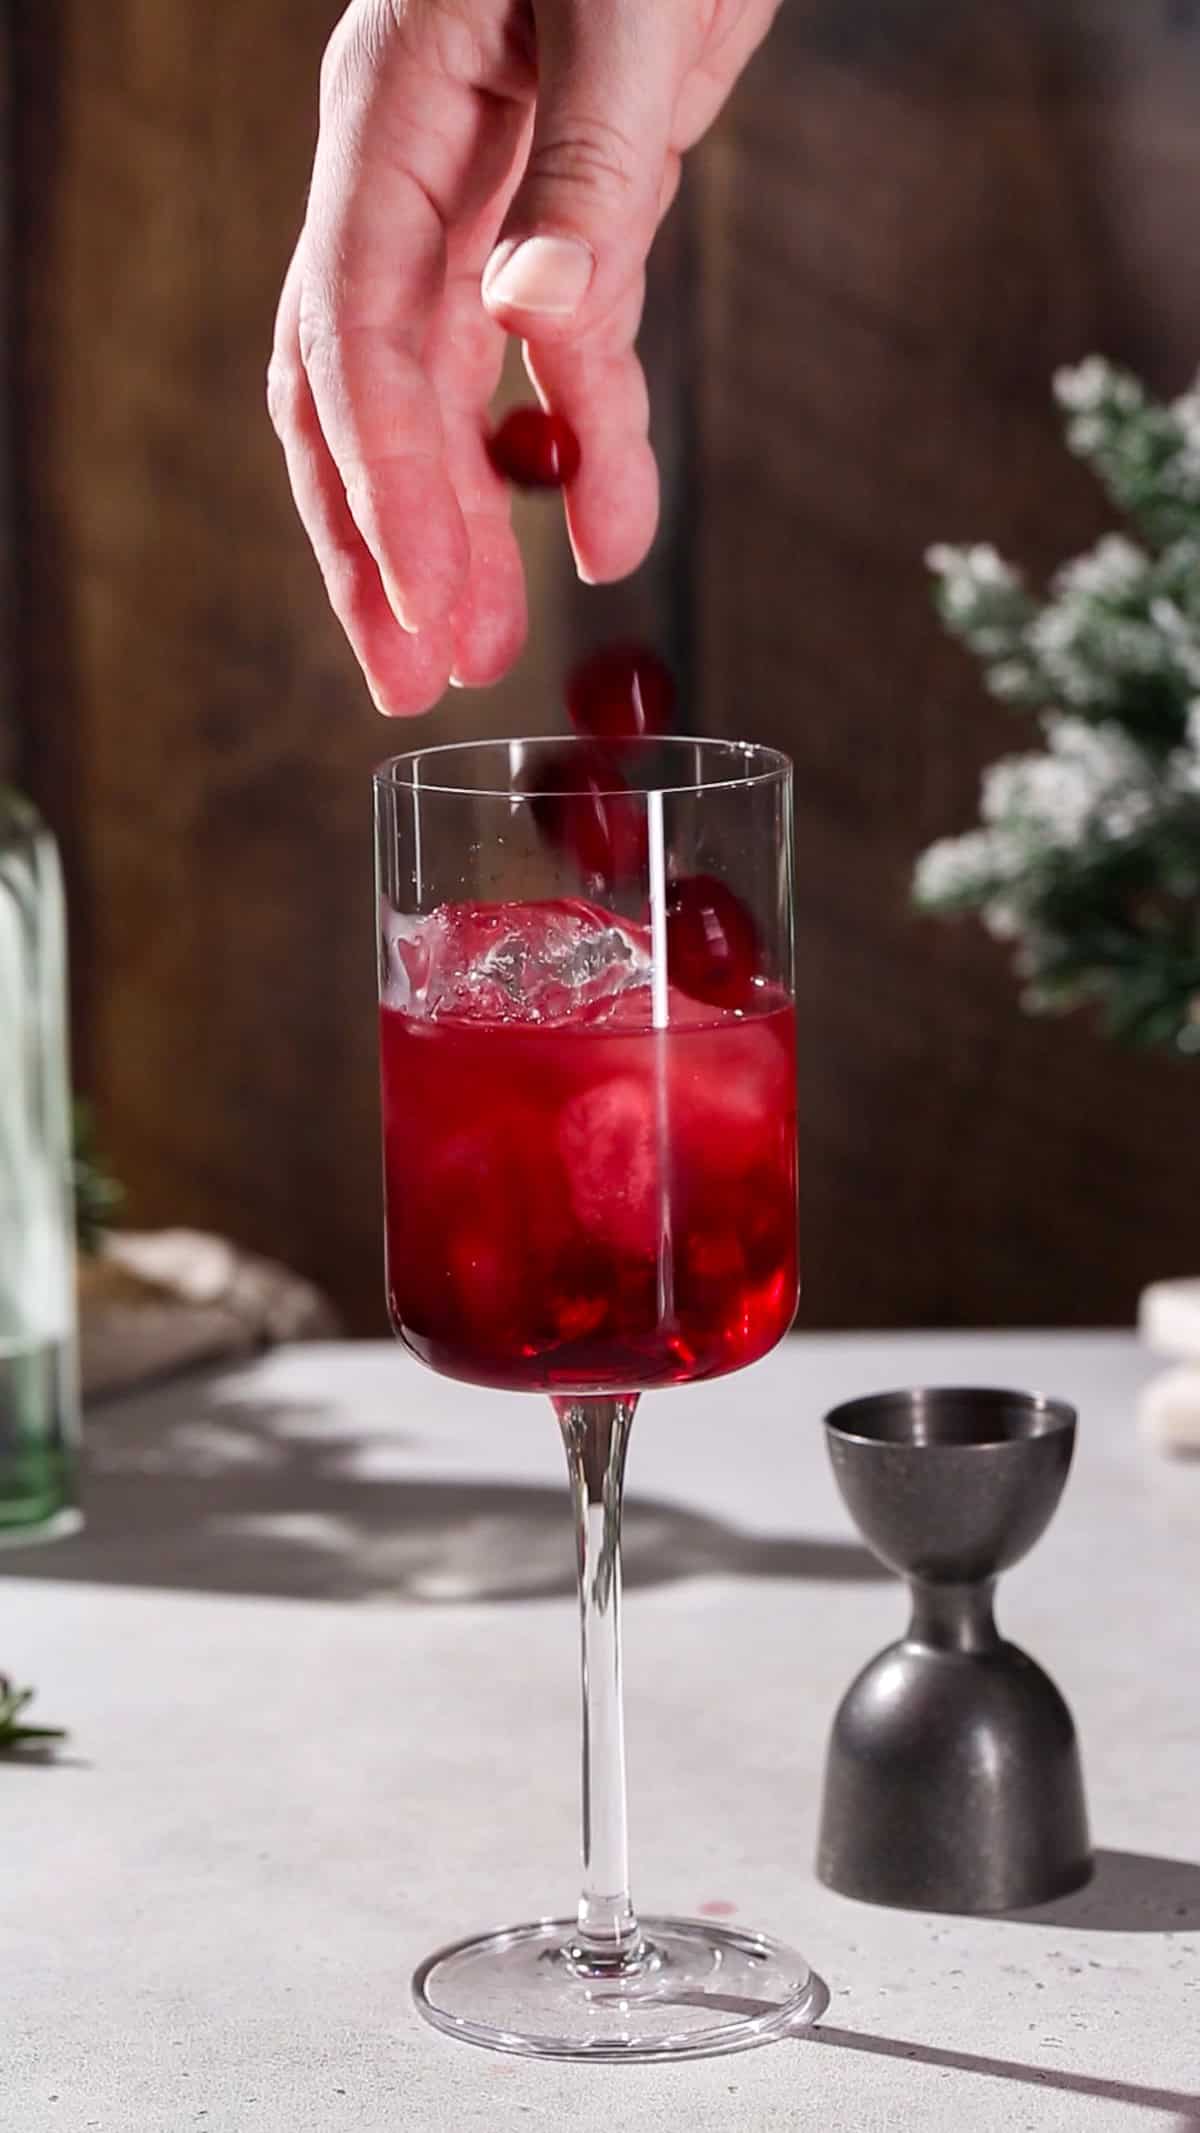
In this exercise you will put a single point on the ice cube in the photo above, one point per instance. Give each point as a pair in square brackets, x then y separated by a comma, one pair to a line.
[515, 962]
[732, 1100]
[608, 1137]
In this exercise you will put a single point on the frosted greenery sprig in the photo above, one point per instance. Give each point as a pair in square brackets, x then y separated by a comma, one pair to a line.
[1117, 636]
[1146, 454]
[1088, 852]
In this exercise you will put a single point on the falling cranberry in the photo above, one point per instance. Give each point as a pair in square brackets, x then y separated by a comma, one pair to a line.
[535, 450]
[582, 805]
[712, 942]
[621, 692]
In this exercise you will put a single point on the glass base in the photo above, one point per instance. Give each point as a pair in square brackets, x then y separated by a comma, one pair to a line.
[698, 1989]
[54, 1528]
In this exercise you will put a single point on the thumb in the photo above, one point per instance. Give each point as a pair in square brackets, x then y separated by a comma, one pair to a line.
[582, 219]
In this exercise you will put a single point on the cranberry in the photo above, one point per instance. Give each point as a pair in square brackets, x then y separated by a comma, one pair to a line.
[535, 450]
[621, 692]
[712, 942]
[582, 805]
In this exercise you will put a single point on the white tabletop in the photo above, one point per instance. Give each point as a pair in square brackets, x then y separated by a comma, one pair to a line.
[317, 1649]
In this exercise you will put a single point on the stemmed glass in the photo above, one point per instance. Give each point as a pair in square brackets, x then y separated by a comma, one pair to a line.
[588, 1065]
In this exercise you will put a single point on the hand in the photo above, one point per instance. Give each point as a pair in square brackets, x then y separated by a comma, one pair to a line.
[483, 167]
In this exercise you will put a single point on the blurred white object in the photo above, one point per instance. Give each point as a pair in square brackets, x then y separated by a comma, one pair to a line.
[1169, 1318]
[154, 1302]
[1169, 1407]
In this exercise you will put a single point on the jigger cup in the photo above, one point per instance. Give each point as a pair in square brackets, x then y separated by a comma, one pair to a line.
[953, 1779]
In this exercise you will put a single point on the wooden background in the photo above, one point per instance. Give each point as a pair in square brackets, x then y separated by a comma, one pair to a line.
[910, 214]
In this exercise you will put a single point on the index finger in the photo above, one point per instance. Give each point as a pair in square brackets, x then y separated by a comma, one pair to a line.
[383, 186]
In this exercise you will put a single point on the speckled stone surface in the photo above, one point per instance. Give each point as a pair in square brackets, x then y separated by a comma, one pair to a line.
[317, 1652]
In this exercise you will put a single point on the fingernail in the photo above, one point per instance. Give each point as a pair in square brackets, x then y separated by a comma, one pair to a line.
[395, 600]
[548, 276]
[584, 576]
[455, 680]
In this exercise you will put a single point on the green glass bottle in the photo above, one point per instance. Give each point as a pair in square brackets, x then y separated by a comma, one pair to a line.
[39, 1397]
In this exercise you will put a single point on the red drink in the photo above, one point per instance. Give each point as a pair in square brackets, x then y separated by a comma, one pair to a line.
[591, 1204]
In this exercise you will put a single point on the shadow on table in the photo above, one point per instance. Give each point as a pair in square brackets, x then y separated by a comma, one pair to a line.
[1130, 1892]
[1051, 2080]
[252, 1497]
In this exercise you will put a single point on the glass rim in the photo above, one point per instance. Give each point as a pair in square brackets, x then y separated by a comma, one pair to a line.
[772, 766]
[853, 1420]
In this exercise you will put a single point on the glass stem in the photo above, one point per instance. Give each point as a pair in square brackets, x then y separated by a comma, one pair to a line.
[596, 1434]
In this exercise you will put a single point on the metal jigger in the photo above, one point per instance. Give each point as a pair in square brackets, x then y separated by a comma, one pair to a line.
[953, 1780]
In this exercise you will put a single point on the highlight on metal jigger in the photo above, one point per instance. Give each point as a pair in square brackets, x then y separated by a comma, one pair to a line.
[953, 1780]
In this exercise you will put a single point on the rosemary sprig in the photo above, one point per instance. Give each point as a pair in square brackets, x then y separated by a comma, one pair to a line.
[15, 1735]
